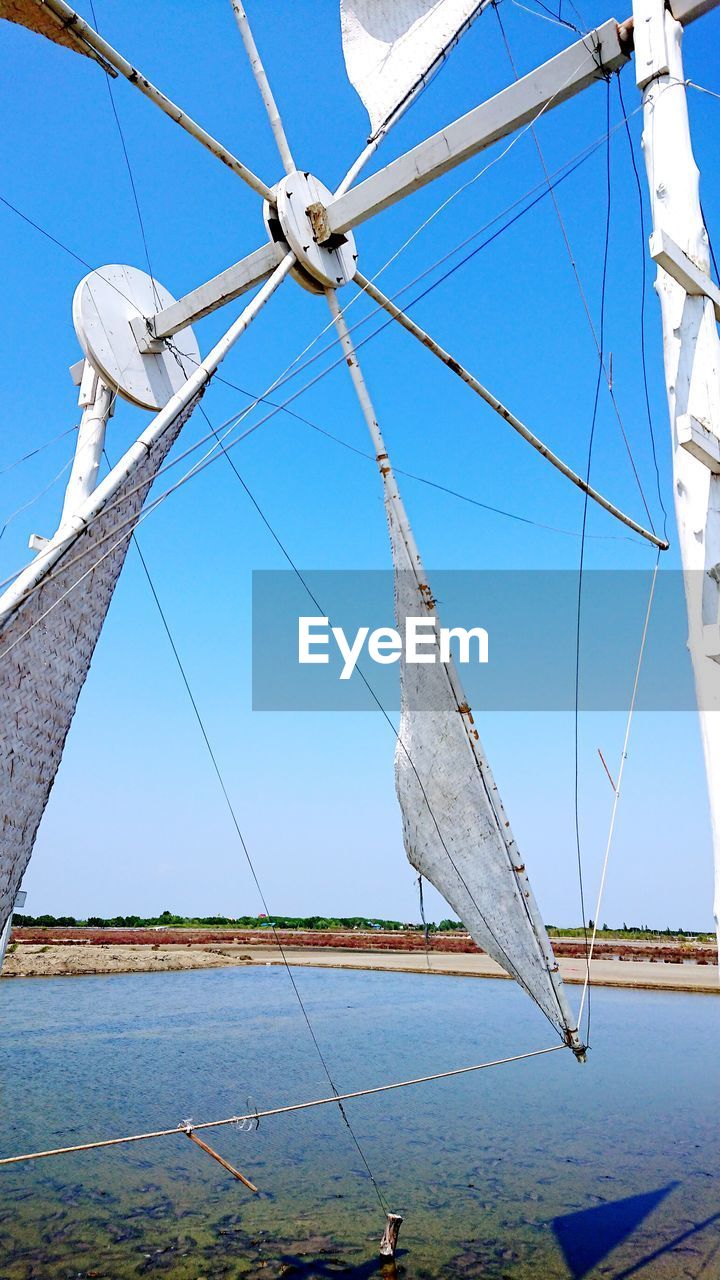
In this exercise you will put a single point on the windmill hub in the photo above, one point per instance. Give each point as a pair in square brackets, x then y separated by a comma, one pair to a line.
[325, 262]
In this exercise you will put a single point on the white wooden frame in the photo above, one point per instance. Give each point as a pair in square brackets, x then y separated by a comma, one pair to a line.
[682, 267]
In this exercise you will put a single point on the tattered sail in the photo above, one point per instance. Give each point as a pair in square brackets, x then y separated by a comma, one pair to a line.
[391, 46]
[47, 639]
[455, 828]
[38, 17]
[456, 832]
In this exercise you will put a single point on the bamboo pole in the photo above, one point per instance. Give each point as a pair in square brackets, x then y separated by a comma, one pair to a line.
[471, 381]
[87, 35]
[204, 1146]
[255, 1116]
[263, 85]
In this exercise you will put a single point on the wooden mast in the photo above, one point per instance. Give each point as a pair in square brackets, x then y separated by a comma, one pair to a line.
[691, 348]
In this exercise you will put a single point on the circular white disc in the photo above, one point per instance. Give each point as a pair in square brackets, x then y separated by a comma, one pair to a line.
[331, 267]
[274, 230]
[104, 304]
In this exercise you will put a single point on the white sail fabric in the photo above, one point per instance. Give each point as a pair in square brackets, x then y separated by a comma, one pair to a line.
[455, 829]
[46, 646]
[391, 45]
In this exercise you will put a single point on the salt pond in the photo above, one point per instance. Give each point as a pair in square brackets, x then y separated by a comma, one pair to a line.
[540, 1169]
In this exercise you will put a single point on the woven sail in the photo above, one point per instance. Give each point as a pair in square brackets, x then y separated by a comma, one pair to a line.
[46, 646]
[390, 46]
[455, 829]
[37, 17]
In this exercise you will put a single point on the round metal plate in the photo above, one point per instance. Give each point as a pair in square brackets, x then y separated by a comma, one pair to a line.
[104, 304]
[331, 267]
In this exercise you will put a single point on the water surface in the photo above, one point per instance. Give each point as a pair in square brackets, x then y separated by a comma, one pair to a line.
[538, 1169]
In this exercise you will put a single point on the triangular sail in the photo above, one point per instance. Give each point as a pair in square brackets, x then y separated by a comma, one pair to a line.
[47, 641]
[455, 829]
[37, 17]
[391, 46]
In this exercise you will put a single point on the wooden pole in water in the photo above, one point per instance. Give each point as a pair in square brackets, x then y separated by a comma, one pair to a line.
[388, 1244]
[204, 1146]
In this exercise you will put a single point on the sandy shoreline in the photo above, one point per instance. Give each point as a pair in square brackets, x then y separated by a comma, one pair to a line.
[64, 960]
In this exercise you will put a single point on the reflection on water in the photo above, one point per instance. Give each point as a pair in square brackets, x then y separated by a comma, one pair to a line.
[537, 1169]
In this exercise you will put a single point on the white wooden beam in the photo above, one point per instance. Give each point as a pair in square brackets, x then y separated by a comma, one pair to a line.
[685, 11]
[225, 287]
[599, 52]
[668, 255]
[651, 55]
[711, 641]
[97, 402]
[698, 440]
[691, 348]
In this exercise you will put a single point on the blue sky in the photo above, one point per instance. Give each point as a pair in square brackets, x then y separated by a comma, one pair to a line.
[136, 821]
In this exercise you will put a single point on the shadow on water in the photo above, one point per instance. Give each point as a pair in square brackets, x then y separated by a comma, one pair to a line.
[588, 1236]
[674, 1244]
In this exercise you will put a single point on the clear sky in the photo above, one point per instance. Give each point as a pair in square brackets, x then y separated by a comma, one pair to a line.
[136, 822]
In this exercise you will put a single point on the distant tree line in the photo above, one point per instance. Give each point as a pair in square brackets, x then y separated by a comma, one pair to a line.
[169, 920]
[629, 931]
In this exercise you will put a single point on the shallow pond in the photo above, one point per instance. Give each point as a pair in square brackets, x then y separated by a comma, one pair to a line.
[539, 1168]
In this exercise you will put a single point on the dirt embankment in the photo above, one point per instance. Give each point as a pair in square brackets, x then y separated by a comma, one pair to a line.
[60, 959]
[678, 966]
